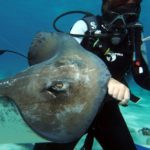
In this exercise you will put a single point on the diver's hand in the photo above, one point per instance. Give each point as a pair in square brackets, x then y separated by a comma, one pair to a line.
[118, 91]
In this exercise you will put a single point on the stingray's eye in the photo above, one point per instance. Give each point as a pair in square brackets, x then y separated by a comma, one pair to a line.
[58, 86]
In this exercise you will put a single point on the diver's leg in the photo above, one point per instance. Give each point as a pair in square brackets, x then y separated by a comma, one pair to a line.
[55, 146]
[111, 130]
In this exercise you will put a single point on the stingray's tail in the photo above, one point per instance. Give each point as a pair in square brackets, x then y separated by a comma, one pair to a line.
[2, 51]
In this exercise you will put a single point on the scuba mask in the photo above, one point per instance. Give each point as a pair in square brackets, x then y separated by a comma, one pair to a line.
[118, 20]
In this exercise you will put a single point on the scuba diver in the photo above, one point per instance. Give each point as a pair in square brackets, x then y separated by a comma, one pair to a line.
[120, 49]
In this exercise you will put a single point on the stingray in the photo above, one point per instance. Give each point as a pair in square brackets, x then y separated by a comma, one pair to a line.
[61, 92]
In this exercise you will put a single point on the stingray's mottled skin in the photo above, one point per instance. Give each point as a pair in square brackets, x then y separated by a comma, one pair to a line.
[60, 95]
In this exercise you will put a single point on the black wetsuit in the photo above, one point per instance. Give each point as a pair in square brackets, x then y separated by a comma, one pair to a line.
[109, 127]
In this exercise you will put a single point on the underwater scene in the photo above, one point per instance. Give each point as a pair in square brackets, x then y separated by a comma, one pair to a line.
[20, 21]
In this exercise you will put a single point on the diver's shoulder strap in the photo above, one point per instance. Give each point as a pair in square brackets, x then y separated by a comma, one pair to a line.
[92, 22]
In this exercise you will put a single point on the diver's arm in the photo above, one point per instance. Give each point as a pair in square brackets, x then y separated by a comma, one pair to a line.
[80, 27]
[139, 67]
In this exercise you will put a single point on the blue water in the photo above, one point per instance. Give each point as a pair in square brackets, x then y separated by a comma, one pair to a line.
[21, 19]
